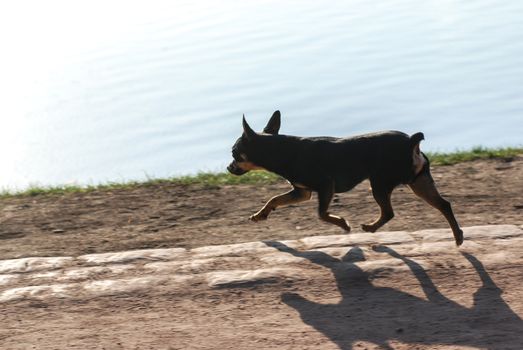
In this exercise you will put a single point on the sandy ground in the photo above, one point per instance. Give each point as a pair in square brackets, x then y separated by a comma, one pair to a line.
[306, 286]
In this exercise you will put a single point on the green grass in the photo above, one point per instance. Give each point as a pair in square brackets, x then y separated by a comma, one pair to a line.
[36, 190]
[208, 179]
[474, 154]
[254, 177]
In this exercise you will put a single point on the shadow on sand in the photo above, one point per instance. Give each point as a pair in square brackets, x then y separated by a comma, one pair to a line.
[380, 314]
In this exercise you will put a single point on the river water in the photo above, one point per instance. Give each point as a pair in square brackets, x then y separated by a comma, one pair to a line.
[116, 90]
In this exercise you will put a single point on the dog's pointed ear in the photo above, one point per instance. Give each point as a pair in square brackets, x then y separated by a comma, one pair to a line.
[247, 131]
[273, 126]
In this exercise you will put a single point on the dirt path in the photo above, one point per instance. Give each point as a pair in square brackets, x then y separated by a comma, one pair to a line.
[391, 290]
[388, 290]
[481, 192]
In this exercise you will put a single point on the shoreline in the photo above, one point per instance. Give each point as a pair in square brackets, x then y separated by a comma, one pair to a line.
[169, 214]
[252, 178]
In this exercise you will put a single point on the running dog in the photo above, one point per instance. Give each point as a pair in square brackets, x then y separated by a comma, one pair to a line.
[329, 165]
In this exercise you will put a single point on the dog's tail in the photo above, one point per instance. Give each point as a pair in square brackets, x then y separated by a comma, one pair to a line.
[415, 140]
[419, 160]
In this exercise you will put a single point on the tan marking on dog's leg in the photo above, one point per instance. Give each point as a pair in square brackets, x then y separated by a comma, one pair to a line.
[382, 197]
[425, 188]
[336, 220]
[296, 195]
[324, 198]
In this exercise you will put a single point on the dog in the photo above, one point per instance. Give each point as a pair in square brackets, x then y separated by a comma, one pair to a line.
[329, 165]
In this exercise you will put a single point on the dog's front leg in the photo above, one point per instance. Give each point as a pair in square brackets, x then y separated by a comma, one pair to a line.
[325, 194]
[382, 196]
[296, 195]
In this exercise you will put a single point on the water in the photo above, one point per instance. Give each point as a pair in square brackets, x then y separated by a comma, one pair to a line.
[113, 90]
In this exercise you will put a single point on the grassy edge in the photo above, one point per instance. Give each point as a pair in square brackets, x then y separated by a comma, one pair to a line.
[256, 177]
[474, 154]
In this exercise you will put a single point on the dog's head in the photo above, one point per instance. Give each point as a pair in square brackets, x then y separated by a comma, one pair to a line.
[246, 146]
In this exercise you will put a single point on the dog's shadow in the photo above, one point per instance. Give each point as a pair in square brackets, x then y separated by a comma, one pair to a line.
[379, 314]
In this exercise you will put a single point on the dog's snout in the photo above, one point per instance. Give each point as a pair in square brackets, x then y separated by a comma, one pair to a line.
[234, 169]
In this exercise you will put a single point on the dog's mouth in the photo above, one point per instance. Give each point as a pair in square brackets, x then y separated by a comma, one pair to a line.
[234, 169]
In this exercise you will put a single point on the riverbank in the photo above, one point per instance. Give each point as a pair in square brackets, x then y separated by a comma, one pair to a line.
[168, 214]
[254, 177]
[166, 278]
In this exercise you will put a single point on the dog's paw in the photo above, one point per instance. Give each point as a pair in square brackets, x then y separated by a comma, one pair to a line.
[346, 226]
[458, 236]
[369, 228]
[259, 216]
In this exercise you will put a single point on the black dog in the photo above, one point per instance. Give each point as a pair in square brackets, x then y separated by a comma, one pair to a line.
[329, 165]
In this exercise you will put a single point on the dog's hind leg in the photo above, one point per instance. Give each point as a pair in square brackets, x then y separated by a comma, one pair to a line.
[325, 195]
[424, 187]
[382, 196]
[295, 195]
